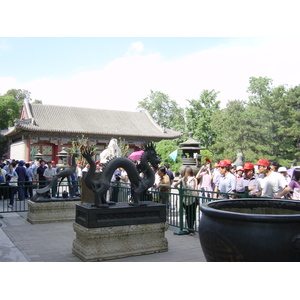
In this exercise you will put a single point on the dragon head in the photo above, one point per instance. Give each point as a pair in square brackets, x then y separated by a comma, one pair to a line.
[152, 157]
[86, 151]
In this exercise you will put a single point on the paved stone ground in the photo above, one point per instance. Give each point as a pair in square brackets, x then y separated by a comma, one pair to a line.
[52, 242]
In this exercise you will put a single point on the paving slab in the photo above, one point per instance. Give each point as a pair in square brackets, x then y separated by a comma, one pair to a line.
[8, 251]
[52, 242]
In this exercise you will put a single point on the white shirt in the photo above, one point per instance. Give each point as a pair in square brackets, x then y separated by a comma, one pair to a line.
[271, 185]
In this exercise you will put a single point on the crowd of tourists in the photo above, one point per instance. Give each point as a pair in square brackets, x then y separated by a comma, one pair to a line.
[227, 181]
[224, 180]
[18, 178]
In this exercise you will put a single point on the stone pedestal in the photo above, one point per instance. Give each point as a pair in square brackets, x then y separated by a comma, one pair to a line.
[119, 231]
[51, 211]
[97, 244]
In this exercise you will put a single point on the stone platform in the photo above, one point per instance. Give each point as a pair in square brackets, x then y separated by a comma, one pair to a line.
[119, 231]
[59, 210]
[120, 214]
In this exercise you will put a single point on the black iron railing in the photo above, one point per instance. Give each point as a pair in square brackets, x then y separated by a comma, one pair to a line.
[183, 207]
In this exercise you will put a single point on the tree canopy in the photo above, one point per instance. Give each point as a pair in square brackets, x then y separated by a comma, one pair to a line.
[10, 108]
[165, 112]
[266, 125]
[199, 116]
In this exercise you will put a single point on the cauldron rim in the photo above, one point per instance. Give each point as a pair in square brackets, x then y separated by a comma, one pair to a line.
[208, 209]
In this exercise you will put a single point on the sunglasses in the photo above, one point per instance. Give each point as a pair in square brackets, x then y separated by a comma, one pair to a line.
[262, 166]
[222, 167]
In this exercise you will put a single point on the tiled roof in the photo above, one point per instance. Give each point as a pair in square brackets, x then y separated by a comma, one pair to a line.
[52, 118]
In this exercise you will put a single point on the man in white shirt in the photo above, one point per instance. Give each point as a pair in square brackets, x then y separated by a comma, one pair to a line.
[273, 185]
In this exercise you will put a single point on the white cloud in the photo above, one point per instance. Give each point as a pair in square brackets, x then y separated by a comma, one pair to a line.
[7, 83]
[126, 80]
[135, 48]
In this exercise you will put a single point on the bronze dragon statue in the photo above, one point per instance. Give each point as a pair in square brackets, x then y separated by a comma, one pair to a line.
[139, 185]
[44, 192]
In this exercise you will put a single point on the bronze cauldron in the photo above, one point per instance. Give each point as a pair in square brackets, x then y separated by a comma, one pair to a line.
[252, 230]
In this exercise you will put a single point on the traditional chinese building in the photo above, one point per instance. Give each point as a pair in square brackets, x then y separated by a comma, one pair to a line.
[46, 129]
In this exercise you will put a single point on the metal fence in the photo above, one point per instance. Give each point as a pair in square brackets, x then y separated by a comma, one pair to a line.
[183, 209]
[14, 198]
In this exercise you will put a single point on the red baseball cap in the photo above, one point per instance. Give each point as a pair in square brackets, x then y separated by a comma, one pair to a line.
[248, 166]
[223, 163]
[263, 162]
[228, 161]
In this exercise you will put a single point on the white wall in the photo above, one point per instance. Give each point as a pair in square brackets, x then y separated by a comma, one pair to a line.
[18, 150]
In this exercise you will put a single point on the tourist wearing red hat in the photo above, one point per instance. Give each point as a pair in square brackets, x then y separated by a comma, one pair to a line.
[239, 178]
[229, 162]
[249, 179]
[227, 181]
[273, 185]
[99, 166]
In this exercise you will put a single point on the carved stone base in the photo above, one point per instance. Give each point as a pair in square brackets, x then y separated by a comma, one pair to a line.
[56, 211]
[96, 244]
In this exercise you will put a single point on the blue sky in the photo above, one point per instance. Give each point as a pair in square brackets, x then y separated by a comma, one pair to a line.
[31, 58]
[116, 73]
[110, 54]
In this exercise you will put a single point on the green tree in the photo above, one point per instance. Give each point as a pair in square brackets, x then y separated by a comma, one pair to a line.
[278, 114]
[236, 131]
[36, 101]
[259, 88]
[10, 108]
[199, 116]
[164, 148]
[293, 100]
[265, 126]
[124, 147]
[19, 95]
[9, 111]
[164, 111]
